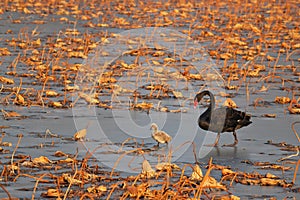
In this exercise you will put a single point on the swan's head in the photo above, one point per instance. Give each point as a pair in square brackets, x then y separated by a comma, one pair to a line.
[154, 126]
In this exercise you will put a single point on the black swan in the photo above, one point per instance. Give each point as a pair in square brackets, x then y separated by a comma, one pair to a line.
[160, 136]
[219, 120]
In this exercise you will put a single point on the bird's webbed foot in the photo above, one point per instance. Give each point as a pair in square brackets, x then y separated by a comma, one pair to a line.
[233, 144]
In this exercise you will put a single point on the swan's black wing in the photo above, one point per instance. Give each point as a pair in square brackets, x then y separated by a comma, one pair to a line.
[235, 119]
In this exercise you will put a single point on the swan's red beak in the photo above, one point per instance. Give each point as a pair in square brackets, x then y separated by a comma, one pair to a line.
[195, 104]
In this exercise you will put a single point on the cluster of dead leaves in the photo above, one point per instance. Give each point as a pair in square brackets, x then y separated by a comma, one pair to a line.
[49, 59]
[74, 178]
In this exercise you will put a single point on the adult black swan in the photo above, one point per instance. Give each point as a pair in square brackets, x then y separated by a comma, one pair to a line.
[219, 120]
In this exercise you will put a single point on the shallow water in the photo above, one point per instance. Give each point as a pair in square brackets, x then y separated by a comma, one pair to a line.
[251, 145]
[108, 130]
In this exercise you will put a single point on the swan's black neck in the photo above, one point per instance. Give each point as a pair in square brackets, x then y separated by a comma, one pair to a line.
[200, 95]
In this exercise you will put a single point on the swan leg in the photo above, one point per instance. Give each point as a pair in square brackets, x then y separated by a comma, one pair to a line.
[216, 142]
[235, 141]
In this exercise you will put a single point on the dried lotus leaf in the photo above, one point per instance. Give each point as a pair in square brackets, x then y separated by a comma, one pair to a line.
[282, 100]
[42, 160]
[177, 94]
[147, 170]
[197, 173]
[53, 193]
[166, 166]
[230, 103]
[6, 80]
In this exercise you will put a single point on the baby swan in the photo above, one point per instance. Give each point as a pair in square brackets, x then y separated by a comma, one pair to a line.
[159, 136]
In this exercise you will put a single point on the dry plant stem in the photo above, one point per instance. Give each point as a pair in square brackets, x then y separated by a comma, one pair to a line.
[295, 172]
[5, 190]
[86, 195]
[297, 136]
[290, 156]
[293, 128]
[194, 149]
[206, 176]
[119, 159]
[13, 154]
[33, 177]
[111, 192]
[35, 186]
[70, 184]
[3, 135]
[19, 88]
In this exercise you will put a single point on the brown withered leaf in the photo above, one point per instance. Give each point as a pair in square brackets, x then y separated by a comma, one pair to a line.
[229, 103]
[263, 89]
[294, 107]
[60, 154]
[55, 104]
[53, 193]
[6, 80]
[6, 144]
[11, 114]
[211, 182]
[144, 105]
[67, 160]
[51, 93]
[282, 100]
[96, 189]
[195, 76]
[88, 98]
[42, 160]
[67, 177]
[177, 94]
[147, 170]
[197, 174]
[166, 166]
[71, 88]
[19, 99]
[269, 115]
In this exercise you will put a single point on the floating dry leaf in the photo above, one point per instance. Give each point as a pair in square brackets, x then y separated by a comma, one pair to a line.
[6, 80]
[67, 177]
[137, 191]
[51, 93]
[166, 166]
[177, 94]
[211, 182]
[88, 98]
[147, 170]
[71, 88]
[269, 115]
[294, 107]
[282, 100]
[229, 103]
[11, 114]
[67, 160]
[55, 104]
[53, 193]
[6, 144]
[144, 105]
[97, 189]
[60, 154]
[42, 160]
[197, 173]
